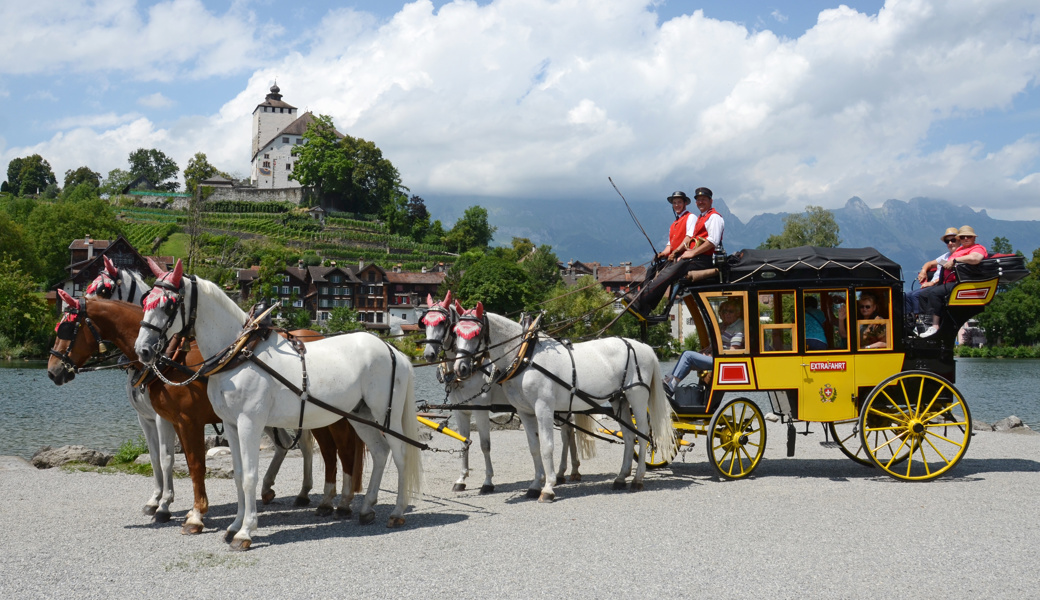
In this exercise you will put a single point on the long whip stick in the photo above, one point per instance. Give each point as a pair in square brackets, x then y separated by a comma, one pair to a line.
[633, 215]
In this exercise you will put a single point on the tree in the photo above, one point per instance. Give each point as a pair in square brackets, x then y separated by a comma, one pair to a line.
[23, 312]
[471, 231]
[501, 285]
[586, 308]
[157, 168]
[13, 243]
[816, 227]
[14, 169]
[52, 227]
[1013, 317]
[341, 319]
[1001, 245]
[116, 180]
[543, 269]
[82, 175]
[33, 177]
[198, 169]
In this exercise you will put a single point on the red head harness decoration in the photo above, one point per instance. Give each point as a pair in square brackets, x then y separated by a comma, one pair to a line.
[105, 283]
[71, 311]
[438, 312]
[166, 287]
[470, 322]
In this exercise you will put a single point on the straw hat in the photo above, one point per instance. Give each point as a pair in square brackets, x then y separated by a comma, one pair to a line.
[949, 231]
[966, 230]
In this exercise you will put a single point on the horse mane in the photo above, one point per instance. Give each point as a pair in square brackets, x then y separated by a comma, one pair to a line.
[215, 293]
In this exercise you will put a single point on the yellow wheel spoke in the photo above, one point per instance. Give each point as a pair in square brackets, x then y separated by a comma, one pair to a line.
[943, 438]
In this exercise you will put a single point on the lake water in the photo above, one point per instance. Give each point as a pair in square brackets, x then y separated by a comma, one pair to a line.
[93, 410]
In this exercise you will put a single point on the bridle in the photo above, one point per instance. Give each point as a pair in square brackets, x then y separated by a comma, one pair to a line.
[104, 286]
[435, 316]
[68, 329]
[469, 326]
[170, 298]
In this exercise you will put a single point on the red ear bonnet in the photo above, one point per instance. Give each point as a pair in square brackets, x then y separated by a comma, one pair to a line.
[429, 300]
[178, 272]
[113, 272]
[156, 269]
[447, 300]
[458, 307]
[68, 299]
[479, 311]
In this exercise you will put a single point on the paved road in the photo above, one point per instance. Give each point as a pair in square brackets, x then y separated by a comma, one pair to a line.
[816, 525]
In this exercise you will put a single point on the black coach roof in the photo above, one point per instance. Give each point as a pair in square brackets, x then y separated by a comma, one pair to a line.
[810, 262]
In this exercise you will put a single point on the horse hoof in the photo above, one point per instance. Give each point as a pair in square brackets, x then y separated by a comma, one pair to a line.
[302, 501]
[323, 511]
[267, 496]
[238, 545]
[229, 536]
[149, 510]
[487, 488]
[367, 518]
[344, 513]
[162, 517]
[620, 485]
[395, 522]
[458, 487]
[191, 529]
[546, 497]
[560, 480]
[575, 477]
[637, 486]
[533, 493]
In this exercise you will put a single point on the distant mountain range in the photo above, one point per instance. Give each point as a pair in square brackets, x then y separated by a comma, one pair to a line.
[597, 230]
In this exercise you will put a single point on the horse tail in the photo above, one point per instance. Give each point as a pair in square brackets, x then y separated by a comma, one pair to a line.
[410, 427]
[661, 415]
[586, 444]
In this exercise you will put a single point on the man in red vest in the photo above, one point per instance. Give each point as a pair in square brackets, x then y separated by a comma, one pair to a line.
[690, 250]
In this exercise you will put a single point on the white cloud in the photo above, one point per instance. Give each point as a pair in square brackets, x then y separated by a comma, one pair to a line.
[778, 16]
[489, 100]
[93, 121]
[156, 100]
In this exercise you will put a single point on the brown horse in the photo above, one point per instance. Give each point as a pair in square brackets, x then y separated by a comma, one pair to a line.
[188, 408]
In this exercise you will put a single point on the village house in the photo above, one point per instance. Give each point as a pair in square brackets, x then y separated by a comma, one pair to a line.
[85, 262]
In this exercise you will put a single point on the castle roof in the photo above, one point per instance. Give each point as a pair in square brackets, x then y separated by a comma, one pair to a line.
[274, 99]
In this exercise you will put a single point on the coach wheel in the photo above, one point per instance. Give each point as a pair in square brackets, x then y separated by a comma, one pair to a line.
[736, 438]
[915, 426]
[847, 435]
[655, 459]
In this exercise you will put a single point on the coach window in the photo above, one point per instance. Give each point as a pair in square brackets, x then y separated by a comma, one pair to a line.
[873, 318]
[825, 320]
[727, 311]
[777, 321]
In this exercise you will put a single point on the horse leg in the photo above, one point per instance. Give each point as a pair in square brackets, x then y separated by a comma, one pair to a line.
[642, 424]
[630, 440]
[463, 424]
[193, 440]
[327, 445]
[352, 454]
[307, 449]
[544, 415]
[484, 429]
[167, 438]
[245, 444]
[530, 425]
[398, 449]
[380, 449]
[278, 436]
[151, 437]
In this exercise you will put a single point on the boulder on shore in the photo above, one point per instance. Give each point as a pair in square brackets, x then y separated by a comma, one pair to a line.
[1012, 423]
[48, 457]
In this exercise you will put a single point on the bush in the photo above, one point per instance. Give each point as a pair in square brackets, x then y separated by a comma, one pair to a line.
[130, 450]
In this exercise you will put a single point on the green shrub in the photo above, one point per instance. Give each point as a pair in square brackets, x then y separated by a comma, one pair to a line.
[130, 450]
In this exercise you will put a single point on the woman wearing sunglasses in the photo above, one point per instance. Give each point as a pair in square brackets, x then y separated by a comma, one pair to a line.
[932, 299]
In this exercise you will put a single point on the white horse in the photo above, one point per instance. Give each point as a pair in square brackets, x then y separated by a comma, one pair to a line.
[159, 434]
[622, 373]
[357, 374]
[440, 321]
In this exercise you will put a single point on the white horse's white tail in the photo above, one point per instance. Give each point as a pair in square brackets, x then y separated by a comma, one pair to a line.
[413, 457]
[586, 443]
[661, 415]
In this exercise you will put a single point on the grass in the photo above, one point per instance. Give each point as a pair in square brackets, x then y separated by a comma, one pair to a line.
[176, 245]
[130, 468]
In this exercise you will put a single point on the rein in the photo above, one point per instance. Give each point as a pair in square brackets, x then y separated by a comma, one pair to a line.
[77, 323]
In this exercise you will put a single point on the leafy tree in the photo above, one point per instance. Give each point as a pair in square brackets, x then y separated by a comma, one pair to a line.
[341, 319]
[23, 313]
[816, 227]
[19, 208]
[155, 167]
[82, 175]
[52, 227]
[453, 276]
[198, 169]
[1013, 317]
[14, 169]
[1001, 245]
[501, 285]
[434, 234]
[116, 180]
[586, 307]
[295, 318]
[33, 177]
[543, 269]
[13, 243]
[471, 231]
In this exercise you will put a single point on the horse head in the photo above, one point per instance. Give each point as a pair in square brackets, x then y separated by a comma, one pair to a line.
[67, 355]
[439, 321]
[164, 314]
[470, 332]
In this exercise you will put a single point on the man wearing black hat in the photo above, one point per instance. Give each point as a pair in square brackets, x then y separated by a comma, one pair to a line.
[690, 256]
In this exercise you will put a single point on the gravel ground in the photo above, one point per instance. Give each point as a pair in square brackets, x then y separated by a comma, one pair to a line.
[816, 525]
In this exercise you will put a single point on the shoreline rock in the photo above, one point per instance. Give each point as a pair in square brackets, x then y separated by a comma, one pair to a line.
[48, 457]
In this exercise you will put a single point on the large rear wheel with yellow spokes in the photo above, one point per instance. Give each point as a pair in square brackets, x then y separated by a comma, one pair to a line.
[915, 426]
[736, 438]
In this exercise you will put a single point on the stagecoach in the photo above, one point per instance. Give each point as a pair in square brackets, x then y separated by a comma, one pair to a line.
[893, 406]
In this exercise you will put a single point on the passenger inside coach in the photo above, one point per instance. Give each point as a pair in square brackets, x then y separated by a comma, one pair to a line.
[872, 320]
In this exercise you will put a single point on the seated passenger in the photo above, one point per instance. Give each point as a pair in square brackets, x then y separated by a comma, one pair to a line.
[933, 298]
[911, 301]
[731, 313]
[871, 335]
[815, 337]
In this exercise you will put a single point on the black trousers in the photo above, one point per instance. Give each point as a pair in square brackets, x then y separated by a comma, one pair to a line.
[657, 284]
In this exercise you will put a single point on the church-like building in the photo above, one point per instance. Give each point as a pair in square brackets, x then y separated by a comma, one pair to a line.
[276, 130]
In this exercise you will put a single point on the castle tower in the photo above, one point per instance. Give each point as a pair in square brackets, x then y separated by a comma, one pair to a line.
[276, 131]
[270, 117]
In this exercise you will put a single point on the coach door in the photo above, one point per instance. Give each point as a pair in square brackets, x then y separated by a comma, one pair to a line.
[828, 379]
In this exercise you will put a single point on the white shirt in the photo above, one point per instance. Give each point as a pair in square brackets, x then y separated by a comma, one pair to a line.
[938, 267]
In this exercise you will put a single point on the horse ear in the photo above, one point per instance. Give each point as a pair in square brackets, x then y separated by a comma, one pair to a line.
[479, 310]
[113, 272]
[429, 300]
[156, 269]
[68, 299]
[178, 272]
[458, 308]
[447, 300]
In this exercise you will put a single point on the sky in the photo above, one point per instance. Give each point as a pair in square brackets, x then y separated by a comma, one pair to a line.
[773, 105]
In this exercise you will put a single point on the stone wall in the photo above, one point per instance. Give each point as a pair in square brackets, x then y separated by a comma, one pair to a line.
[294, 195]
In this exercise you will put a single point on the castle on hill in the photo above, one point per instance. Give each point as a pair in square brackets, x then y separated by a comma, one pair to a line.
[276, 131]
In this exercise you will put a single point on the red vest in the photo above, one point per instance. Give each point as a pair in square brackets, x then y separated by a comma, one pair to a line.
[677, 232]
[700, 230]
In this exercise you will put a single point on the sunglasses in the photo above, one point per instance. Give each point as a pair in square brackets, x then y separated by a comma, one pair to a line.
[965, 237]
[950, 240]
